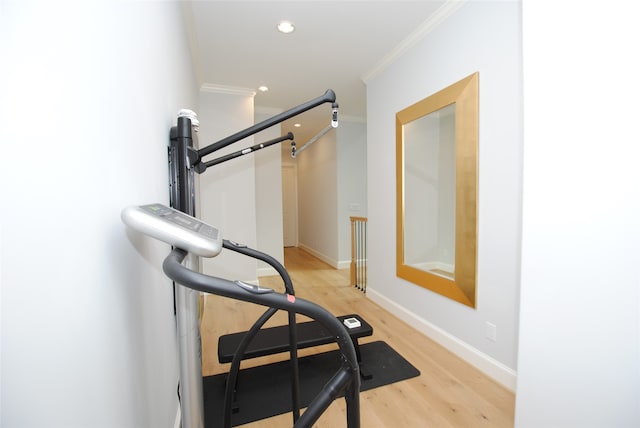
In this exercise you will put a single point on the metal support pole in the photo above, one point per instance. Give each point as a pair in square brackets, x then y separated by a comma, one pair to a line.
[183, 195]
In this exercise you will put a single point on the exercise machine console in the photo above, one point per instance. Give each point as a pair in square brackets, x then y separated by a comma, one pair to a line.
[174, 227]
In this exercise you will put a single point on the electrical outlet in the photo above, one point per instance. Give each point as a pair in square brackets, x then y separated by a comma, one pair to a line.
[490, 331]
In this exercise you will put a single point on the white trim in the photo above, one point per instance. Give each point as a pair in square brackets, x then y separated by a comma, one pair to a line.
[483, 362]
[328, 260]
[434, 265]
[344, 264]
[438, 17]
[230, 90]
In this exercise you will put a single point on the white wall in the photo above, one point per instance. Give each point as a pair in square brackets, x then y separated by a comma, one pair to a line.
[579, 353]
[89, 93]
[317, 198]
[352, 182]
[242, 196]
[332, 186]
[268, 166]
[429, 181]
[289, 198]
[227, 190]
[483, 37]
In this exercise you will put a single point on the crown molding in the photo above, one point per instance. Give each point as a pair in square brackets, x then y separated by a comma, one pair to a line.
[230, 90]
[437, 18]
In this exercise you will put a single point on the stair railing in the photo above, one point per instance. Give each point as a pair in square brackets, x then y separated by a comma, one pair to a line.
[358, 266]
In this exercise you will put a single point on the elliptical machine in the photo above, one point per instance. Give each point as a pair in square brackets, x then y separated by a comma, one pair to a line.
[192, 238]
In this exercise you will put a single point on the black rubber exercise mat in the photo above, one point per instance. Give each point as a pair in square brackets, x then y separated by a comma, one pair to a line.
[265, 391]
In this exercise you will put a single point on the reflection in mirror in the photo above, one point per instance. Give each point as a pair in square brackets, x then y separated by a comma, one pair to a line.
[436, 162]
[429, 175]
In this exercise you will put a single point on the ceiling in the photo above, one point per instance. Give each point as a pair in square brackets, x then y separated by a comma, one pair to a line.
[336, 44]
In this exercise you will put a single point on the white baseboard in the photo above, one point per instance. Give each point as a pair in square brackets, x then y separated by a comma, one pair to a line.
[328, 260]
[486, 364]
[344, 264]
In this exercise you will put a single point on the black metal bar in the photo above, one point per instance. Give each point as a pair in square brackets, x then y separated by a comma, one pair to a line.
[293, 330]
[352, 398]
[246, 151]
[338, 383]
[180, 184]
[365, 259]
[360, 253]
[232, 377]
[295, 367]
[259, 255]
[358, 264]
[328, 97]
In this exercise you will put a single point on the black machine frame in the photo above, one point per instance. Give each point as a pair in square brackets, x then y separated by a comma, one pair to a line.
[185, 160]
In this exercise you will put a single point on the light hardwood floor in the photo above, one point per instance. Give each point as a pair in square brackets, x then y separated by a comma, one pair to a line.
[448, 393]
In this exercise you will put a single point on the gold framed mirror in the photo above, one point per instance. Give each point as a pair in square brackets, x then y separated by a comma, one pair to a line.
[437, 191]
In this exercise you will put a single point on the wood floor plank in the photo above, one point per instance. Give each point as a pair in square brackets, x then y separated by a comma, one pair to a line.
[448, 393]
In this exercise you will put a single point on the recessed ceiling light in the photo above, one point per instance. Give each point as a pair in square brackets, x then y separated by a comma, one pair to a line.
[286, 27]
[263, 88]
[297, 125]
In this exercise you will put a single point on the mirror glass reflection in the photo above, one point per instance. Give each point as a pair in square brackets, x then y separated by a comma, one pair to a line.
[430, 190]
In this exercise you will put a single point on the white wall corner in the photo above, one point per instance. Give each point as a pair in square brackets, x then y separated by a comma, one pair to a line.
[499, 372]
[328, 260]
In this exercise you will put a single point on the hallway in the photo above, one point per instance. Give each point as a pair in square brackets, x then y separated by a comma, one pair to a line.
[449, 392]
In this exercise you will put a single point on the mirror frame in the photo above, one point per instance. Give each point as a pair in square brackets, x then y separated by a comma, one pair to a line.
[464, 94]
